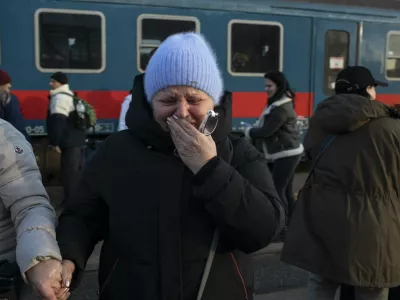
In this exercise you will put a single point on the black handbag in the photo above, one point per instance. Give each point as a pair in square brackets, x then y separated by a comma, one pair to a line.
[9, 272]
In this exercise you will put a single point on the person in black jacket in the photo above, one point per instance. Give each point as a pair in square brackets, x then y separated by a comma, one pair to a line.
[164, 196]
[277, 136]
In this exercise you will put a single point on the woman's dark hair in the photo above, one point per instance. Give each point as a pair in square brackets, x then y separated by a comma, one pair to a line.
[282, 84]
[362, 92]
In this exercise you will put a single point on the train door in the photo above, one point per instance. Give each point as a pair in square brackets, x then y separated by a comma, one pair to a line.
[335, 47]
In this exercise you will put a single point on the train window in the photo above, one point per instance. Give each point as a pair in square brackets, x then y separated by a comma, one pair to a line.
[393, 55]
[337, 45]
[70, 40]
[254, 47]
[154, 29]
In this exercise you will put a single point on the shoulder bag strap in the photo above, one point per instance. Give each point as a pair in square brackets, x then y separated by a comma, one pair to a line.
[65, 93]
[207, 269]
[328, 140]
[237, 159]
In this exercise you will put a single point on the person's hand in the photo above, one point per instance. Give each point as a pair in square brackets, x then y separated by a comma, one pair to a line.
[55, 149]
[68, 269]
[45, 277]
[194, 148]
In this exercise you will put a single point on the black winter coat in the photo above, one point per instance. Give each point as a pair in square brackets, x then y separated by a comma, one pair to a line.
[157, 219]
[278, 131]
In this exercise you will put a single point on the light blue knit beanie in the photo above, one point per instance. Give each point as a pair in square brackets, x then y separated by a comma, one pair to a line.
[184, 59]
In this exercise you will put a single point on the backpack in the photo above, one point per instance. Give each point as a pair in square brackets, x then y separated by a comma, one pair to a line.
[84, 116]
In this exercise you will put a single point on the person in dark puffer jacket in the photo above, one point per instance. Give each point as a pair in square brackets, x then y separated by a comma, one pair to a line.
[161, 193]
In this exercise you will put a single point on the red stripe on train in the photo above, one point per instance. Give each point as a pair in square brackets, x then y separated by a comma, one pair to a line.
[251, 104]
[389, 99]
[34, 104]
[108, 103]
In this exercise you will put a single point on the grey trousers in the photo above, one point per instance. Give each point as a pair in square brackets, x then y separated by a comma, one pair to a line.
[323, 289]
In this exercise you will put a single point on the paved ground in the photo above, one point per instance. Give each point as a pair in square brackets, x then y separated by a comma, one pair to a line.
[270, 274]
[274, 280]
[295, 294]
[87, 292]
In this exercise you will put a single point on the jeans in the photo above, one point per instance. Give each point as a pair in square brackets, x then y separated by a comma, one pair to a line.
[283, 170]
[324, 289]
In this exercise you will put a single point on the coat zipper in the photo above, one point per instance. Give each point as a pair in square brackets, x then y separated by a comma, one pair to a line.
[108, 277]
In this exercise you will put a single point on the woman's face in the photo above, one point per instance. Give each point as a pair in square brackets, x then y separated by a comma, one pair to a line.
[54, 84]
[270, 87]
[186, 103]
[372, 92]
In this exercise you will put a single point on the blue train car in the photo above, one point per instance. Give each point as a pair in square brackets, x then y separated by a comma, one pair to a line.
[103, 44]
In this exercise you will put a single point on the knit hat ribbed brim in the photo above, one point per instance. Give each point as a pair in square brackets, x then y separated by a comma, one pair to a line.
[4, 78]
[60, 77]
[184, 59]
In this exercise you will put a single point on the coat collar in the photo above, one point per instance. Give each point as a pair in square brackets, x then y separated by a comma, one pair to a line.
[62, 89]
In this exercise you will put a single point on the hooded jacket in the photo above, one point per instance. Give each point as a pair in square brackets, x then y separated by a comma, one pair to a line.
[346, 224]
[157, 219]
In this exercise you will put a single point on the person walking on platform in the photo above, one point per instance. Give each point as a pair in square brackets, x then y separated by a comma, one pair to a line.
[346, 226]
[64, 136]
[178, 207]
[276, 135]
